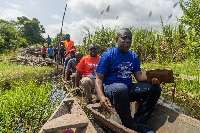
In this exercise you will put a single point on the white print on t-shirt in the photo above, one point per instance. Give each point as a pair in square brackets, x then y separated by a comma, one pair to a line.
[95, 65]
[125, 69]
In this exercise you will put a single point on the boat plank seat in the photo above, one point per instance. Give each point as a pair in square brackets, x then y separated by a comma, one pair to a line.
[66, 121]
[68, 115]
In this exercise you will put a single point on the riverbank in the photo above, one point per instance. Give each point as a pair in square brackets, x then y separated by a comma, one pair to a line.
[28, 95]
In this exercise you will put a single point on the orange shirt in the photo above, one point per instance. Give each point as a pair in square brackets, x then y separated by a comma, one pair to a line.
[44, 50]
[68, 46]
[88, 65]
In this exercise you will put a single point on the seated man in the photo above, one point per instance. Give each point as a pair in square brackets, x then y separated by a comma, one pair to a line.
[72, 55]
[114, 84]
[87, 65]
[72, 65]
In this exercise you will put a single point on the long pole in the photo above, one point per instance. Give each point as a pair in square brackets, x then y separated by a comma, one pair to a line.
[60, 39]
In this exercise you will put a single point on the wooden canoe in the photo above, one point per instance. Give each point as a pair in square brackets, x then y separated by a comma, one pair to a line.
[68, 115]
[162, 120]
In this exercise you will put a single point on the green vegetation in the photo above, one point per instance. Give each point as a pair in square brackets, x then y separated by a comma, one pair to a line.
[19, 34]
[148, 44]
[26, 100]
[191, 19]
[56, 39]
[13, 71]
[31, 30]
[10, 38]
[26, 106]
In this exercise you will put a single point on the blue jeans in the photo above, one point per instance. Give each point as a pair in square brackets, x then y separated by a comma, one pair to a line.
[121, 95]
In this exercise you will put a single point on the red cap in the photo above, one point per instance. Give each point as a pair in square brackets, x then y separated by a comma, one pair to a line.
[73, 50]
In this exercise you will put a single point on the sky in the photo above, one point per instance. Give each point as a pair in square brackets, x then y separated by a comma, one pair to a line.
[83, 15]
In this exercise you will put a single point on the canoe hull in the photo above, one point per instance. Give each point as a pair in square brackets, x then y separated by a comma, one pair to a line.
[162, 120]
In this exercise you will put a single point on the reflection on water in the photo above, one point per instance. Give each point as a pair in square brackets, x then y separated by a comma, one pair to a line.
[57, 92]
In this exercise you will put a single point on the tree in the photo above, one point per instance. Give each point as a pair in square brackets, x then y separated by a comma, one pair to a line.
[191, 14]
[191, 18]
[56, 39]
[10, 38]
[22, 20]
[31, 29]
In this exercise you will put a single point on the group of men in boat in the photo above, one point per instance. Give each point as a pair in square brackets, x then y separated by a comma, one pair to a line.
[110, 75]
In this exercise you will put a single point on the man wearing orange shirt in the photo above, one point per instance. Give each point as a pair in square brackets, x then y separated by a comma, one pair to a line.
[68, 44]
[87, 65]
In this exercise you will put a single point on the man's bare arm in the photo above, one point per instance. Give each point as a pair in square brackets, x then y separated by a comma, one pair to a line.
[77, 78]
[104, 101]
[66, 74]
[139, 77]
[99, 84]
[64, 70]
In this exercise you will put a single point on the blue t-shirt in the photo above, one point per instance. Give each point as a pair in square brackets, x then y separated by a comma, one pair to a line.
[118, 66]
[48, 40]
[67, 60]
[50, 51]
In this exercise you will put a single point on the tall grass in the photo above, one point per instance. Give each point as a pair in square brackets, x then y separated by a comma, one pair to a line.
[149, 44]
[26, 106]
[12, 71]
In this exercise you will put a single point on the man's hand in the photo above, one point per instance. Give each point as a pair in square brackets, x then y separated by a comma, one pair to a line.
[155, 81]
[105, 103]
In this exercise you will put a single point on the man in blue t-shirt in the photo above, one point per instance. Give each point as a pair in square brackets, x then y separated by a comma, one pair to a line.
[50, 52]
[114, 84]
[48, 39]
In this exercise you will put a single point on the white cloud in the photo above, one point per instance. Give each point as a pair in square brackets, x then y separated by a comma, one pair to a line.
[33, 3]
[13, 5]
[129, 10]
[55, 16]
[75, 29]
[10, 14]
[38, 10]
[130, 13]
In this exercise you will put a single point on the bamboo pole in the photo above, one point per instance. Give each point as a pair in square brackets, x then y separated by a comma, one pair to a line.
[60, 39]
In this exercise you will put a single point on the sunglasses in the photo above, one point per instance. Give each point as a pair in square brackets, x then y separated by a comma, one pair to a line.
[93, 49]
